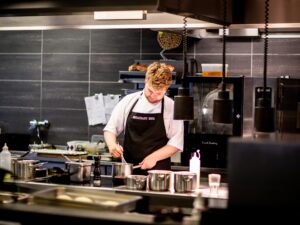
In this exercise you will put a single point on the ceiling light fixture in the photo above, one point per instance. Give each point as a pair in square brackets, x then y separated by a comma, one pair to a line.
[120, 15]
[264, 118]
[223, 105]
[183, 102]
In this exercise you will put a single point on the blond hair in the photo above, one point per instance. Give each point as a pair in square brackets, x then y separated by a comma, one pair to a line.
[158, 75]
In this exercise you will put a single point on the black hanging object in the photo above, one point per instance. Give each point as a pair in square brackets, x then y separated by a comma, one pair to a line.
[223, 105]
[183, 102]
[183, 107]
[223, 108]
[264, 117]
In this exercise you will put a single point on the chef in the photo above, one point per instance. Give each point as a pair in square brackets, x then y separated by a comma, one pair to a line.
[151, 135]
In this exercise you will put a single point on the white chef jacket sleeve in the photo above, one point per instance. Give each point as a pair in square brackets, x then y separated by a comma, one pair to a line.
[174, 128]
[117, 121]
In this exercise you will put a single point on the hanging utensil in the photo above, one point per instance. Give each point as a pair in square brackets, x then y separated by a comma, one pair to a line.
[167, 41]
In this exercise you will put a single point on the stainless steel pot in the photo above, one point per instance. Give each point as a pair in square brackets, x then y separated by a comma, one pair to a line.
[121, 170]
[159, 180]
[184, 181]
[79, 171]
[25, 169]
[136, 182]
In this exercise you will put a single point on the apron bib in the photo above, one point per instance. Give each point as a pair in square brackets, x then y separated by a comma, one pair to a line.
[144, 134]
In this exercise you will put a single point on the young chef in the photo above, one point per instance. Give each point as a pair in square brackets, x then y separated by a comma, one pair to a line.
[151, 135]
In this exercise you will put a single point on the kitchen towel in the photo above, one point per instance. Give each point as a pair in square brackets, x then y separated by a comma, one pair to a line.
[95, 109]
[110, 102]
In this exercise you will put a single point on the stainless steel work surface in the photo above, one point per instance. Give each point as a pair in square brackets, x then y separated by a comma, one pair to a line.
[86, 199]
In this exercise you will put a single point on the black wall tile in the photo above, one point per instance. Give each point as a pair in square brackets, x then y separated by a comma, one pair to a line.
[72, 70]
[20, 41]
[210, 45]
[239, 65]
[278, 46]
[64, 95]
[66, 125]
[66, 67]
[278, 65]
[110, 88]
[20, 67]
[215, 45]
[66, 41]
[115, 41]
[16, 120]
[107, 67]
[238, 45]
[248, 97]
[20, 94]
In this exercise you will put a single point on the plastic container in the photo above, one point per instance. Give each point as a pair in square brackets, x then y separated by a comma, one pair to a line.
[5, 158]
[213, 70]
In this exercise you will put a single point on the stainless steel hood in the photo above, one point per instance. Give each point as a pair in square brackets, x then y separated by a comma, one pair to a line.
[202, 13]
[54, 14]
[210, 11]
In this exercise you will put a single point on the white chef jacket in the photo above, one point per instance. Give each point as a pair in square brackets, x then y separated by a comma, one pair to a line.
[174, 128]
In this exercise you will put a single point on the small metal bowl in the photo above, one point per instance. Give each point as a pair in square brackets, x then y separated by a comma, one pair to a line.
[136, 182]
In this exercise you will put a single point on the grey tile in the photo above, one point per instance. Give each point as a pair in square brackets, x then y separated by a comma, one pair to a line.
[110, 88]
[16, 120]
[153, 56]
[248, 97]
[20, 42]
[107, 67]
[278, 46]
[64, 95]
[66, 67]
[116, 41]
[215, 45]
[238, 45]
[97, 129]
[66, 125]
[66, 41]
[149, 42]
[21, 67]
[277, 66]
[20, 94]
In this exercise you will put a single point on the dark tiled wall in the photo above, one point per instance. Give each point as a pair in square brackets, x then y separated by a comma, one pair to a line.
[47, 74]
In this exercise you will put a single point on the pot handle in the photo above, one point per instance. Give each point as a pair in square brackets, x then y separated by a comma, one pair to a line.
[188, 178]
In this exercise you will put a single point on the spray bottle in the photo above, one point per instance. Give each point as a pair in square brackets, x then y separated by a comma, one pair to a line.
[195, 164]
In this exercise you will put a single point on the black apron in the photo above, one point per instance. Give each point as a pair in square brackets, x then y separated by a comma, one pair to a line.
[144, 134]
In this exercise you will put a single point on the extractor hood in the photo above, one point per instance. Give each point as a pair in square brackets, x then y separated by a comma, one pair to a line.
[210, 11]
[161, 14]
[284, 14]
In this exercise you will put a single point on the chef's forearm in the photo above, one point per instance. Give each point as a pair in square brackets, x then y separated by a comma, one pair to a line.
[110, 140]
[164, 152]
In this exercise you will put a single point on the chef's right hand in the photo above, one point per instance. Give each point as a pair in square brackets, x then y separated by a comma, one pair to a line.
[116, 150]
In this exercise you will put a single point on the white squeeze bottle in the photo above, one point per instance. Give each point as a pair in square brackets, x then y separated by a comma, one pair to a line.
[195, 164]
[5, 158]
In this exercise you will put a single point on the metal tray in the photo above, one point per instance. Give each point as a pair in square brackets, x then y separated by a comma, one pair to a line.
[86, 199]
[12, 197]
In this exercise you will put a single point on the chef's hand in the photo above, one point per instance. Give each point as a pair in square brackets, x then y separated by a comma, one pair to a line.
[116, 151]
[148, 162]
